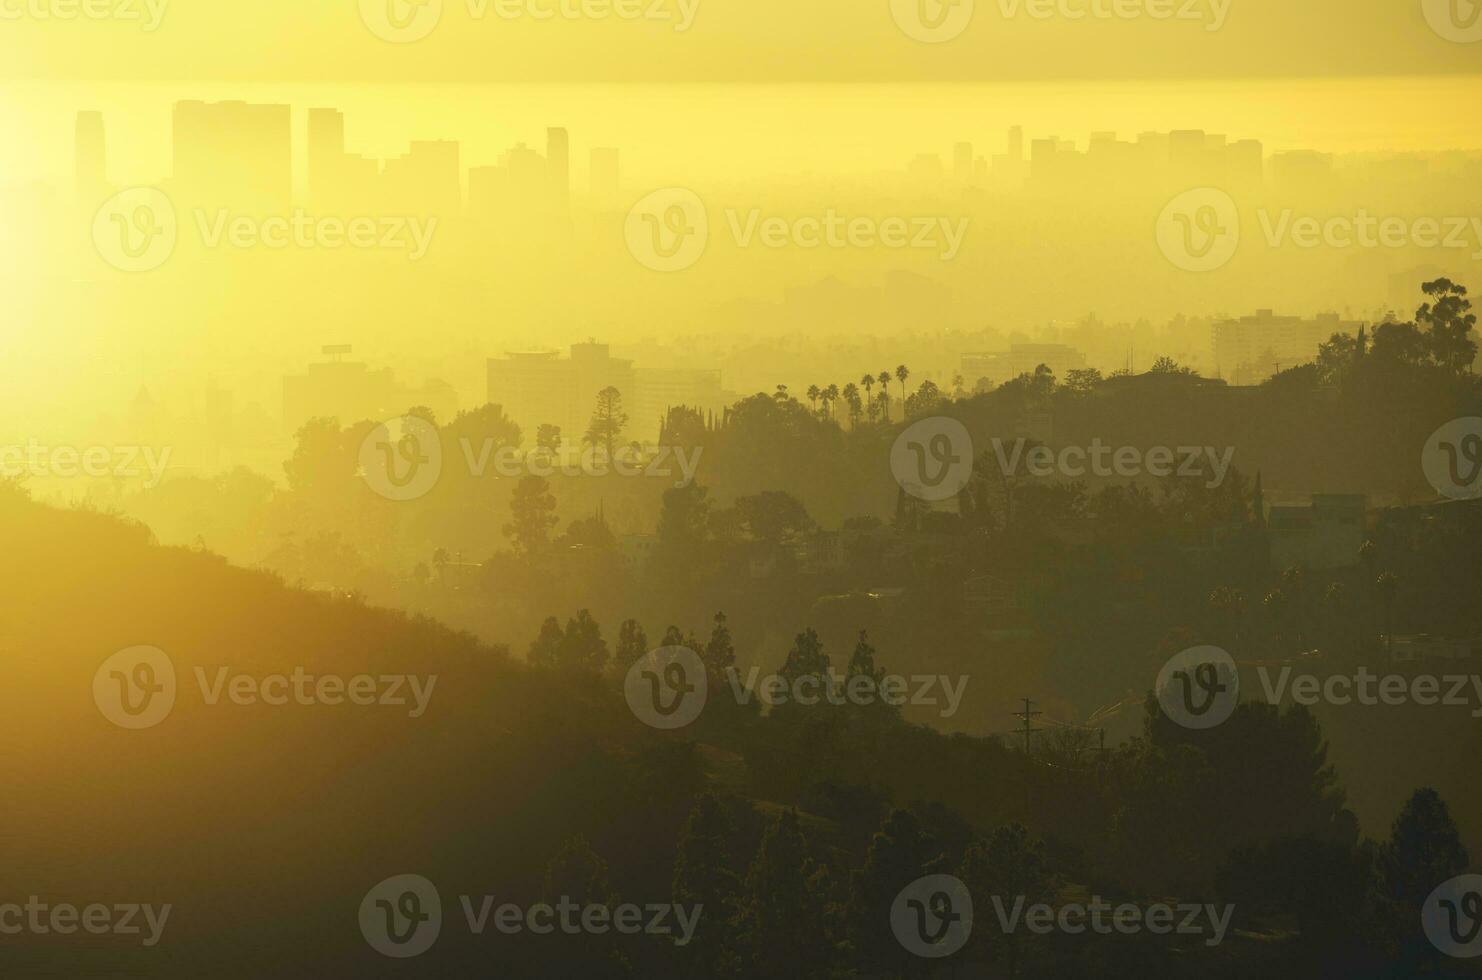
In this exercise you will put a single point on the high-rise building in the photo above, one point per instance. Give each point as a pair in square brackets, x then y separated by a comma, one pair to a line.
[90, 159]
[326, 152]
[1251, 349]
[1021, 359]
[558, 168]
[962, 163]
[427, 179]
[543, 388]
[605, 177]
[233, 155]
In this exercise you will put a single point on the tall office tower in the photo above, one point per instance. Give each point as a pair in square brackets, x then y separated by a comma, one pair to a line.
[558, 168]
[428, 179]
[326, 154]
[962, 163]
[606, 177]
[234, 156]
[91, 159]
[1016, 143]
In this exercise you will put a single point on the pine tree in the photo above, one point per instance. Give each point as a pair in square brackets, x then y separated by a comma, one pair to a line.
[546, 650]
[703, 879]
[720, 654]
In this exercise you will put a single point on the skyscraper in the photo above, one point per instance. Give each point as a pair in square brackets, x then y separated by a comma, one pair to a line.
[233, 155]
[558, 168]
[605, 176]
[91, 159]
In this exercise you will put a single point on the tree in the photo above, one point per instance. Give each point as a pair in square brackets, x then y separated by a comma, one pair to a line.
[898, 854]
[608, 421]
[1423, 850]
[582, 648]
[548, 439]
[814, 393]
[703, 878]
[884, 379]
[546, 648]
[1008, 865]
[772, 516]
[1081, 381]
[806, 659]
[783, 932]
[719, 653]
[901, 374]
[829, 396]
[424, 413]
[851, 398]
[632, 645]
[1167, 365]
[1450, 322]
[533, 515]
[926, 400]
[868, 381]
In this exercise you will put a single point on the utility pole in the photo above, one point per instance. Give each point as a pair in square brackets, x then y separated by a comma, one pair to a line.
[1026, 714]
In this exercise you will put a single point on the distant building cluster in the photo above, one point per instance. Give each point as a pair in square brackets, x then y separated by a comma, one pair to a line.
[544, 388]
[1021, 359]
[1251, 349]
[352, 392]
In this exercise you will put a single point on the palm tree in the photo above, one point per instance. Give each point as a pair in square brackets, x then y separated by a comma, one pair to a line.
[829, 395]
[813, 392]
[1388, 584]
[884, 380]
[901, 374]
[851, 398]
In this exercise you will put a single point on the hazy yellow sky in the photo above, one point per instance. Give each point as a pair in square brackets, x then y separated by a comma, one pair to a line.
[731, 40]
